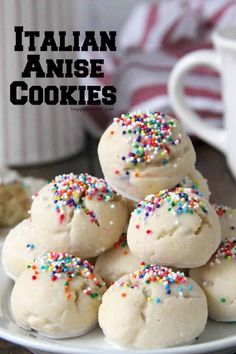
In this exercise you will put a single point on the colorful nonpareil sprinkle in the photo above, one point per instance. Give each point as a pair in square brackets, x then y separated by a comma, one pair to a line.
[70, 190]
[226, 250]
[67, 267]
[222, 210]
[150, 273]
[151, 134]
[179, 201]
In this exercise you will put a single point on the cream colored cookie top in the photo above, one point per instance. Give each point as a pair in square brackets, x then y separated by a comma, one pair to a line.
[151, 137]
[193, 180]
[147, 305]
[79, 214]
[217, 279]
[68, 194]
[63, 266]
[141, 139]
[227, 217]
[58, 296]
[147, 153]
[172, 283]
[180, 201]
[178, 228]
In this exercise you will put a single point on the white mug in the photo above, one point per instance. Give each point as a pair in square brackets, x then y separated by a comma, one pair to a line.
[223, 60]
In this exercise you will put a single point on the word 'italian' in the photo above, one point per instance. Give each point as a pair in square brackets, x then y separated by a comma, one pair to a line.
[60, 41]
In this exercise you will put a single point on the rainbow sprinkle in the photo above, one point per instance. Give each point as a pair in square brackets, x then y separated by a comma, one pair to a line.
[70, 190]
[151, 134]
[222, 210]
[180, 201]
[67, 267]
[226, 250]
[150, 273]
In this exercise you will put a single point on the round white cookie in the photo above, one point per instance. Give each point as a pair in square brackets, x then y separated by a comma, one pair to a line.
[147, 153]
[79, 214]
[153, 307]
[20, 247]
[178, 228]
[227, 217]
[217, 279]
[57, 296]
[116, 262]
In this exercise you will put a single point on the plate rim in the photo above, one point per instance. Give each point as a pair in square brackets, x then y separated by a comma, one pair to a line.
[59, 348]
[213, 346]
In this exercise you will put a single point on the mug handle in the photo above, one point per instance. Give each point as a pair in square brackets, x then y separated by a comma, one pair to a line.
[212, 135]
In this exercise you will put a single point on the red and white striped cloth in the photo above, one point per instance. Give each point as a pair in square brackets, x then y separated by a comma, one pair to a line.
[154, 37]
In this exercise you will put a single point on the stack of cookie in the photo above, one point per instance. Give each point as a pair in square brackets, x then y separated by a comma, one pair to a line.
[141, 154]
[148, 163]
[56, 293]
[150, 158]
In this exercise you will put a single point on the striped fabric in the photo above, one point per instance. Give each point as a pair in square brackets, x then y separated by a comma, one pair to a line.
[151, 41]
[155, 35]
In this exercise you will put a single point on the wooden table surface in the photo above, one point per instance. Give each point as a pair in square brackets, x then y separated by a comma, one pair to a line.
[210, 162]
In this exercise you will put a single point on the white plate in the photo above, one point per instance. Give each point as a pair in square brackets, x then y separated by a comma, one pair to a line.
[217, 338]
